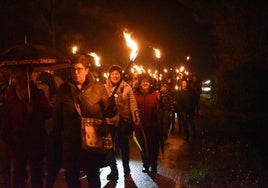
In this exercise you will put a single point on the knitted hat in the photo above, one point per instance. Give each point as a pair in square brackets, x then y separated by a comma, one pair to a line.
[145, 76]
[115, 68]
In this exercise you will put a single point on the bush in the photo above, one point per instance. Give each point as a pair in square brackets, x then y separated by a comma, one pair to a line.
[242, 89]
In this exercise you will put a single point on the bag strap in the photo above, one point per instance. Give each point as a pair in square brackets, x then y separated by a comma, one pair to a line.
[78, 109]
[76, 104]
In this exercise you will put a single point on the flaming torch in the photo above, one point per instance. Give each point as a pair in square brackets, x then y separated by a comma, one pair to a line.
[158, 56]
[134, 52]
[74, 49]
[97, 62]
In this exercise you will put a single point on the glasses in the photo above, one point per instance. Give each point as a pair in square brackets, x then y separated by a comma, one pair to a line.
[79, 69]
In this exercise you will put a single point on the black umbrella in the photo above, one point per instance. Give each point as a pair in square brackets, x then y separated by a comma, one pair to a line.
[32, 56]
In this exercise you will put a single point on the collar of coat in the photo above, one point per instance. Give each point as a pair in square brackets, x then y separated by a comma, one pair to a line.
[89, 80]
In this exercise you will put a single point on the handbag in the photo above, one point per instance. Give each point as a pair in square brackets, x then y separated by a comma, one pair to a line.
[95, 135]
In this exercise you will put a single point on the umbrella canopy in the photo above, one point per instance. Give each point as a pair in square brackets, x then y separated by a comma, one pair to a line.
[31, 54]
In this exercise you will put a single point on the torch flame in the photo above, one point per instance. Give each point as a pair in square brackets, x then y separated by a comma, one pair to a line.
[131, 44]
[74, 49]
[157, 53]
[96, 58]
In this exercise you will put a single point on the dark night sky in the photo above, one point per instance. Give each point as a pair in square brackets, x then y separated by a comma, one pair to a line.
[166, 25]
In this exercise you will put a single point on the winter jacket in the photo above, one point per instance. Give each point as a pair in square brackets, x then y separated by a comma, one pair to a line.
[125, 101]
[185, 101]
[93, 101]
[24, 131]
[166, 100]
[148, 107]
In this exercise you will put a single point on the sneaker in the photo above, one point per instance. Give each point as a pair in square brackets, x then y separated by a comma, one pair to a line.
[113, 175]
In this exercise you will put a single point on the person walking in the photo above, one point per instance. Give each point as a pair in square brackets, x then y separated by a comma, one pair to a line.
[122, 125]
[170, 82]
[166, 106]
[46, 82]
[185, 103]
[81, 96]
[196, 87]
[148, 132]
[23, 129]
[177, 109]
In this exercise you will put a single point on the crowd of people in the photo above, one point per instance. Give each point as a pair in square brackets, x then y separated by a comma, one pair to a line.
[41, 122]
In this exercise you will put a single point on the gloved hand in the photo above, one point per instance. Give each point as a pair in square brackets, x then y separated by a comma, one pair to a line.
[114, 121]
[137, 121]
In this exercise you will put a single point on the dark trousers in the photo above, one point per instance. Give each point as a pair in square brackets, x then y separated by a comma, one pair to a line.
[53, 159]
[172, 120]
[121, 135]
[166, 123]
[179, 119]
[149, 143]
[19, 175]
[90, 162]
[188, 119]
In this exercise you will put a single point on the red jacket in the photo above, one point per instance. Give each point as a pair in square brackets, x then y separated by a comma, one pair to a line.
[148, 107]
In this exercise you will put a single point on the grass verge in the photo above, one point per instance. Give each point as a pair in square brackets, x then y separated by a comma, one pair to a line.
[230, 150]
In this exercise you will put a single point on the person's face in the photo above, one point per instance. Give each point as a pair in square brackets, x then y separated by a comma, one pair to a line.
[79, 73]
[163, 88]
[145, 84]
[184, 85]
[169, 80]
[115, 77]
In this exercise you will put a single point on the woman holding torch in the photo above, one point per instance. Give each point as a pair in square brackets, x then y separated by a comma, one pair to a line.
[148, 132]
[122, 126]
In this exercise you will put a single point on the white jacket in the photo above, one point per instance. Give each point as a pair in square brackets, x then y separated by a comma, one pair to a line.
[125, 102]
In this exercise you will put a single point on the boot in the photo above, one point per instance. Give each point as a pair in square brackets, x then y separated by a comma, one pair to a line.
[126, 171]
[113, 174]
